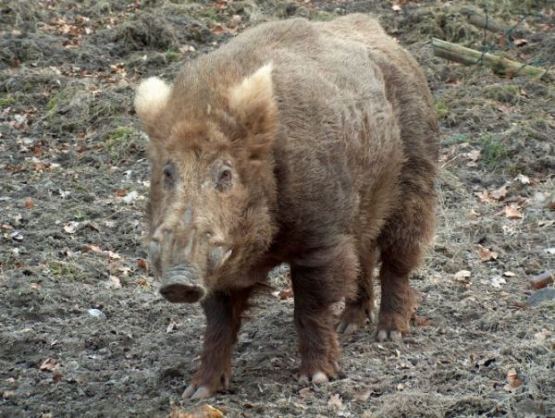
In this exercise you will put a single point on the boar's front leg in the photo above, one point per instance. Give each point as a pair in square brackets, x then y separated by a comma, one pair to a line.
[223, 320]
[321, 279]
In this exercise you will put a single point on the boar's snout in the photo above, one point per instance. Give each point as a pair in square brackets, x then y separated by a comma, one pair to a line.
[180, 284]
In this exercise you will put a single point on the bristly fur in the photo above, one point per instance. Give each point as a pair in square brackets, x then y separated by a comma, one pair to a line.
[328, 132]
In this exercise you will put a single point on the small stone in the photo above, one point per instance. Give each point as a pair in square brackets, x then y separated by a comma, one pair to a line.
[235, 20]
[543, 295]
[131, 197]
[96, 313]
[16, 236]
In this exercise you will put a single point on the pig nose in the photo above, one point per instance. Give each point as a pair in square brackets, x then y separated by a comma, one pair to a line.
[181, 285]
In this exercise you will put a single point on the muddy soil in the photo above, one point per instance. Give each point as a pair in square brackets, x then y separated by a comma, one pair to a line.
[83, 331]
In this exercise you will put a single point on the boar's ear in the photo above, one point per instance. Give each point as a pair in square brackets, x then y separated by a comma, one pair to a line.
[252, 102]
[150, 98]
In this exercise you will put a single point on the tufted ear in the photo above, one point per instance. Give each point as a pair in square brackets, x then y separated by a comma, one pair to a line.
[150, 98]
[252, 102]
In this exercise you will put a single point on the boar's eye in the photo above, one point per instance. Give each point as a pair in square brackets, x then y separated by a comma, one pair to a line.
[225, 179]
[169, 174]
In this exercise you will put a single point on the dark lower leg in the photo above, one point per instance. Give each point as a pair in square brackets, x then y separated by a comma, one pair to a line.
[318, 345]
[402, 243]
[398, 302]
[320, 280]
[359, 309]
[223, 320]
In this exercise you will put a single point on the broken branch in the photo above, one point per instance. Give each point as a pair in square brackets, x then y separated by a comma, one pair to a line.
[498, 64]
[484, 22]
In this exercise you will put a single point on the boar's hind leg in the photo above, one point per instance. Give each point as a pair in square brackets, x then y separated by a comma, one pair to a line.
[319, 280]
[223, 320]
[359, 309]
[402, 244]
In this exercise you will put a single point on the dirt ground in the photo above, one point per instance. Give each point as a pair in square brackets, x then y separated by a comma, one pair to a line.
[83, 330]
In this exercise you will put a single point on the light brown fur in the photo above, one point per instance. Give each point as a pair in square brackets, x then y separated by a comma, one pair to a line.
[333, 156]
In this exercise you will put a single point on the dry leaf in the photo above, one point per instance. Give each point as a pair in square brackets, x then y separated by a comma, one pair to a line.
[124, 270]
[285, 294]
[363, 395]
[523, 179]
[114, 282]
[8, 394]
[504, 108]
[71, 227]
[49, 365]
[305, 393]
[497, 281]
[520, 42]
[550, 204]
[513, 211]
[112, 255]
[29, 203]
[472, 214]
[335, 401]
[218, 29]
[171, 326]
[204, 411]
[513, 381]
[183, 49]
[545, 223]
[142, 263]
[92, 248]
[120, 192]
[473, 155]
[542, 335]
[97, 250]
[235, 21]
[499, 194]
[541, 280]
[462, 276]
[396, 8]
[130, 197]
[57, 376]
[421, 321]
[484, 196]
[142, 282]
[509, 274]
[486, 254]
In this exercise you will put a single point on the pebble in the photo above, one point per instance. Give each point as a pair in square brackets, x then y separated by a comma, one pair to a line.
[96, 313]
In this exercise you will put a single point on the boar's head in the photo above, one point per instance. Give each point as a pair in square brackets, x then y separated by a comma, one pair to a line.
[212, 185]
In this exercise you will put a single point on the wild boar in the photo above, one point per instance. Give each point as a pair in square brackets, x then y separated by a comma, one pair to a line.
[312, 144]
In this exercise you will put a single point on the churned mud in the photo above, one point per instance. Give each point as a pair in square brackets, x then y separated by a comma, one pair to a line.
[83, 331]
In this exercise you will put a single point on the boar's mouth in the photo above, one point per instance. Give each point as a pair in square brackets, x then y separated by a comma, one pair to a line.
[180, 285]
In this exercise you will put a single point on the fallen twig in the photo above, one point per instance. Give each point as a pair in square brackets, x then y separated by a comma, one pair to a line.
[485, 22]
[497, 63]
